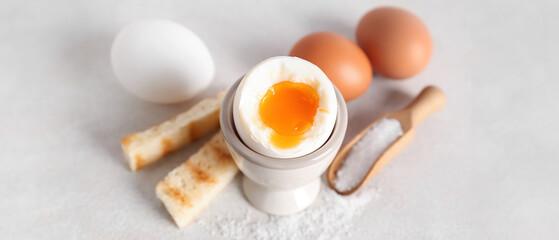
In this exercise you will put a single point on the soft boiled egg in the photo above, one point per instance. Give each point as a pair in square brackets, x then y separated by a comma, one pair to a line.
[285, 107]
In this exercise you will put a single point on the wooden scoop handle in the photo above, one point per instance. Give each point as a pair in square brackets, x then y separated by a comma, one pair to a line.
[430, 100]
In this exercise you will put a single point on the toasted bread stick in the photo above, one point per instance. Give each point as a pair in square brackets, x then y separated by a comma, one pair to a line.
[147, 147]
[188, 189]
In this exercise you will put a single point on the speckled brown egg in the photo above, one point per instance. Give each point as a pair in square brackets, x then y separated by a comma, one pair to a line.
[396, 41]
[345, 64]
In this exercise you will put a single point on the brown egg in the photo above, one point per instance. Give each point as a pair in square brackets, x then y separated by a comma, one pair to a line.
[397, 42]
[345, 64]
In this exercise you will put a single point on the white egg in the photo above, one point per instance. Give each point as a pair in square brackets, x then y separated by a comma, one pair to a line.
[161, 61]
[261, 87]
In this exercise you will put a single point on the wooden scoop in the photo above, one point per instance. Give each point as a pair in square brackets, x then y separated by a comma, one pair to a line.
[430, 100]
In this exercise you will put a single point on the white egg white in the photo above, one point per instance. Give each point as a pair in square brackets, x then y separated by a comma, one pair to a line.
[252, 130]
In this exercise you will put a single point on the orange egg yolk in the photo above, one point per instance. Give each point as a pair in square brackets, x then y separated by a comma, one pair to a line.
[289, 109]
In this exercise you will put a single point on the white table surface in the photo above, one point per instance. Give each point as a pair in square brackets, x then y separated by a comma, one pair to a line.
[485, 167]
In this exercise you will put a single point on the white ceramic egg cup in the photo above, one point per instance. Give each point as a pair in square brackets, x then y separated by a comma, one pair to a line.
[281, 186]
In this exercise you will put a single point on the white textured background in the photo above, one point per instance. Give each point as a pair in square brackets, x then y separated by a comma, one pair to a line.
[485, 167]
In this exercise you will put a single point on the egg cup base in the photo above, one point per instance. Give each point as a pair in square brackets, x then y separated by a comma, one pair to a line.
[279, 201]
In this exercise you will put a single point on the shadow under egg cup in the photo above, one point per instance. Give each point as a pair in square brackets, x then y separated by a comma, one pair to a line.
[281, 186]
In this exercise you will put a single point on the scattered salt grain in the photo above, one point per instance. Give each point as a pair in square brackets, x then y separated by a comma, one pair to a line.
[330, 217]
[364, 153]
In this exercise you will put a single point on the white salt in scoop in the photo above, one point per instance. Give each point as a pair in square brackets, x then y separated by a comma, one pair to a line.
[369, 151]
[365, 152]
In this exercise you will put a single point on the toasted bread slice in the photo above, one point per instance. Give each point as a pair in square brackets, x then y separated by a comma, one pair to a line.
[144, 148]
[188, 189]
